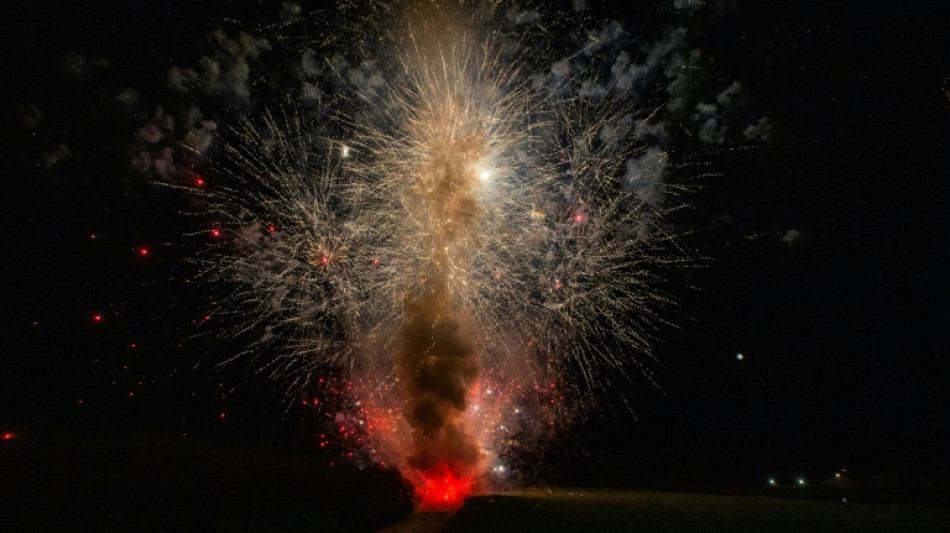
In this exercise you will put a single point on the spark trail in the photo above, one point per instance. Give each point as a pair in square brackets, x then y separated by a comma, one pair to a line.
[470, 253]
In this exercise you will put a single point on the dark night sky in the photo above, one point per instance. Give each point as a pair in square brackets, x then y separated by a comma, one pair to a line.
[844, 332]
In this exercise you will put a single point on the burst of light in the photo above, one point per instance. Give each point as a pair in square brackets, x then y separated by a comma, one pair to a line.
[772, 481]
[442, 490]
[801, 482]
[739, 357]
[143, 251]
[97, 317]
[485, 269]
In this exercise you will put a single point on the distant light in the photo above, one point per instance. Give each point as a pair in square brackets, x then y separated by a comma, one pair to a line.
[344, 151]
[739, 356]
[97, 318]
[484, 176]
[9, 435]
[837, 475]
[143, 251]
[199, 182]
[772, 481]
[222, 415]
[801, 481]
[215, 233]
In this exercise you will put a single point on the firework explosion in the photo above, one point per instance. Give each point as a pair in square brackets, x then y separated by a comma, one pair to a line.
[470, 245]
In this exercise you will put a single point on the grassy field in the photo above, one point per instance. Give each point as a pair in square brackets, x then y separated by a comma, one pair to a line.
[142, 483]
[558, 510]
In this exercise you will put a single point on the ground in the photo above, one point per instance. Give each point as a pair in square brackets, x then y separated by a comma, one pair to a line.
[143, 482]
[605, 511]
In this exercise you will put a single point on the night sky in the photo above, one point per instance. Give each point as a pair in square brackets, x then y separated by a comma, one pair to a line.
[827, 255]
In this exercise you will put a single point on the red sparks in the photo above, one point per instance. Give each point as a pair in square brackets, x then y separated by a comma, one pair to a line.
[440, 490]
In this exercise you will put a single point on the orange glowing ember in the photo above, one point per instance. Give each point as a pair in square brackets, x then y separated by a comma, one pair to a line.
[440, 490]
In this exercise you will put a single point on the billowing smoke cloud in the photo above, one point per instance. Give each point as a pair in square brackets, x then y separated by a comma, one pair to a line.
[437, 364]
[688, 5]
[761, 130]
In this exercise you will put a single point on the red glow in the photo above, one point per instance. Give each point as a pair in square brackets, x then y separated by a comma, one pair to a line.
[215, 232]
[143, 252]
[199, 182]
[222, 415]
[97, 318]
[9, 435]
[271, 228]
[440, 490]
